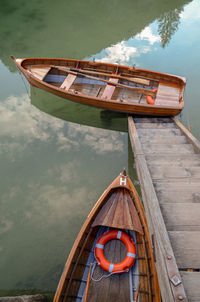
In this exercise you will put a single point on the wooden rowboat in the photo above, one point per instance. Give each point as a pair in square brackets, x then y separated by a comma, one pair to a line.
[117, 213]
[108, 86]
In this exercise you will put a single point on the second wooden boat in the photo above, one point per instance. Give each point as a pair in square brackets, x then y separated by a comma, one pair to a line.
[112, 258]
[108, 86]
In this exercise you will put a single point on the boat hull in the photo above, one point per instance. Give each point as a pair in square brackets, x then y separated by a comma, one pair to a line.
[120, 195]
[119, 105]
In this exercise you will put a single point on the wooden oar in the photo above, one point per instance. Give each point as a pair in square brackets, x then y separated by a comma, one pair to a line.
[138, 80]
[137, 89]
[88, 284]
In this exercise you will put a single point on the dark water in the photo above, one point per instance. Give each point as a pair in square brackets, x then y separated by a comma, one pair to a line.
[57, 157]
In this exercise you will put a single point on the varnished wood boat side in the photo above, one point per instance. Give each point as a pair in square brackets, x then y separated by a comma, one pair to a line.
[108, 104]
[86, 229]
[53, 61]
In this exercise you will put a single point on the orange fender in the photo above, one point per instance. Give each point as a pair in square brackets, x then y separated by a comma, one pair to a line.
[150, 100]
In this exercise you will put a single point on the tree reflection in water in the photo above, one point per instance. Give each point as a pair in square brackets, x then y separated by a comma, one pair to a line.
[168, 24]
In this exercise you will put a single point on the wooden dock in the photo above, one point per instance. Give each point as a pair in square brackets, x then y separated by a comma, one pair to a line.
[167, 159]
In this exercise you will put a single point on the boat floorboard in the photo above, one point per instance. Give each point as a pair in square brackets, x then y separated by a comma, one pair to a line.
[108, 288]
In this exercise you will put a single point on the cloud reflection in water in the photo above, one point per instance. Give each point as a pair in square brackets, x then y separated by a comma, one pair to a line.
[126, 52]
[23, 122]
[51, 170]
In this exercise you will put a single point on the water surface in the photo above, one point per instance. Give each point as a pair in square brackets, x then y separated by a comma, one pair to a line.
[57, 157]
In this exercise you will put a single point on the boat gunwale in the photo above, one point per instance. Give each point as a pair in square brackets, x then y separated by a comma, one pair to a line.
[132, 105]
[180, 78]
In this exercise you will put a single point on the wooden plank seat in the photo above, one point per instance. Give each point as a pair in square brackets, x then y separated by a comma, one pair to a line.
[109, 89]
[40, 73]
[69, 80]
[167, 95]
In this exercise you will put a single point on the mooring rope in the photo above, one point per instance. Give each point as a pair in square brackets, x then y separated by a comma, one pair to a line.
[27, 91]
[188, 121]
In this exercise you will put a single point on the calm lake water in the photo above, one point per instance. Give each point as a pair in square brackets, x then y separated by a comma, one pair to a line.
[57, 157]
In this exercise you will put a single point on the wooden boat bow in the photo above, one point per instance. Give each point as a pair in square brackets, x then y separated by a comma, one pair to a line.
[79, 281]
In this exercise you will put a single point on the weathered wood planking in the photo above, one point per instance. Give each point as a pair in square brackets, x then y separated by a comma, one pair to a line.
[151, 120]
[169, 171]
[108, 288]
[170, 194]
[167, 149]
[164, 139]
[167, 94]
[172, 101]
[183, 160]
[186, 246]
[40, 72]
[174, 169]
[109, 89]
[164, 90]
[154, 126]
[152, 132]
[155, 219]
[176, 216]
[68, 81]
[192, 285]
[188, 134]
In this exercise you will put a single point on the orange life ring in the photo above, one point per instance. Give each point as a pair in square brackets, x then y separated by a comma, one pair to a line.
[118, 267]
[150, 100]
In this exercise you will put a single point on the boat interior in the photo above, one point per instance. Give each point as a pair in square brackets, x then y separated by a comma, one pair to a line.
[105, 82]
[138, 282]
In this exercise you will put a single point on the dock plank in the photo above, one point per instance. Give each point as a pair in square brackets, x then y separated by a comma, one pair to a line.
[191, 282]
[179, 220]
[186, 247]
[159, 139]
[167, 149]
[153, 132]
[155, 126]
[152, 120]
[180, 183]
[180, 160]
[169, 171]
[170, 194]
